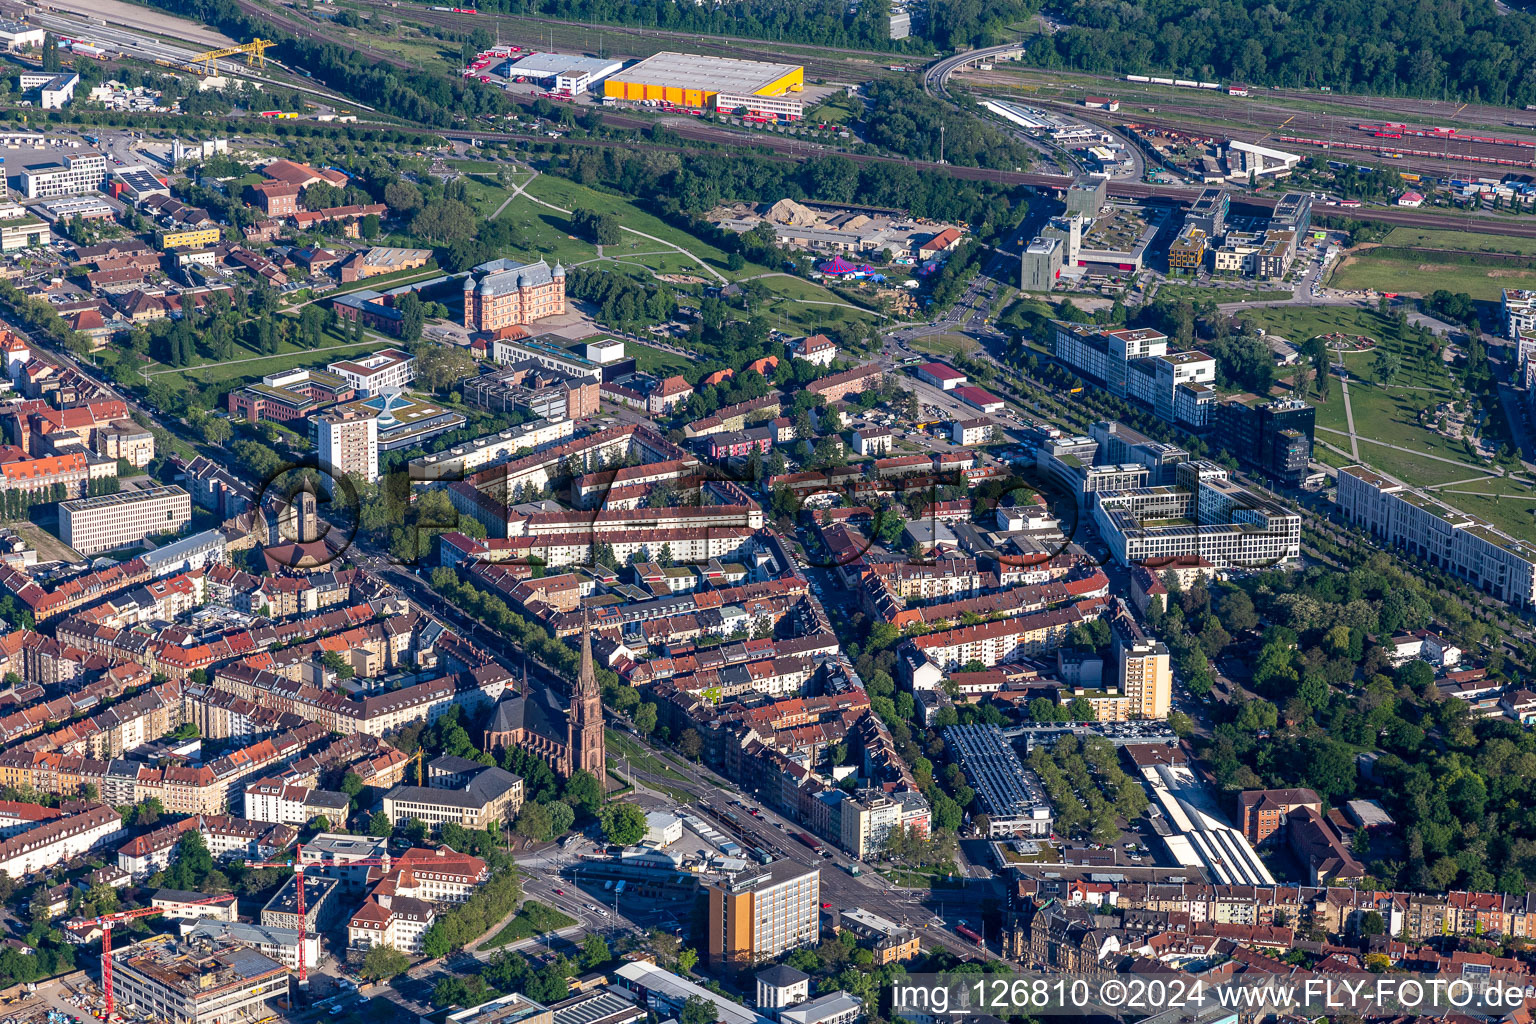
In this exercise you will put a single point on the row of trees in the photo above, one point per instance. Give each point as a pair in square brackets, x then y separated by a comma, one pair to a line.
[1475, 52]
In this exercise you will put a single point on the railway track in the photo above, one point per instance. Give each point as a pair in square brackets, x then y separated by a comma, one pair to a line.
[306, 29]
[837, 62]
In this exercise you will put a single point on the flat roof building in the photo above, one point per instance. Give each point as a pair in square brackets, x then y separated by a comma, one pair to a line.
[93, 525]
[1293, 212]
[763, 912]
[208, 981]
[709, 83]
[1209, 211]
[282, 910]
[1040, 265]
[389, 368]
[1461, 544]
[562, 72]
[1010, 794]
[510, 1009]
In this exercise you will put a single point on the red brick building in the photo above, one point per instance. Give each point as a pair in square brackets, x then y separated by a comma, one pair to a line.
[1264, 811]
[276, 198]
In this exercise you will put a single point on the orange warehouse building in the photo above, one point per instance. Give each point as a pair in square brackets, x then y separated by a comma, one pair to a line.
[705, 83]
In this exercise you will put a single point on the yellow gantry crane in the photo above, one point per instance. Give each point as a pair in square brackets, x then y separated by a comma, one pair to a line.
[255, 55]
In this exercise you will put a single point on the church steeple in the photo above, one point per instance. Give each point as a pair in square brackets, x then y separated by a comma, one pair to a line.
[586, 678]
[586, 720]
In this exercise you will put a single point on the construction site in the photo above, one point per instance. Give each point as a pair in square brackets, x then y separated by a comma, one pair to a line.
[847, 230]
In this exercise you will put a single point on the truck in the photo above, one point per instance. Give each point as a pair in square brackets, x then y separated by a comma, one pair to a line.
[618, 890]
[809, 840]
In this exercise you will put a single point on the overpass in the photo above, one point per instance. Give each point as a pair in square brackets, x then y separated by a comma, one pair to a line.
[936, 78]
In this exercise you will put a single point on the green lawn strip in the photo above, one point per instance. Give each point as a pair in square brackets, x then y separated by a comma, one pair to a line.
[1411, 374]
[1365, 271]
[946, 345]
[1406, 466]
[657, 362]
[640, 756]
[383, 281]
[1461, 241]
[808, 317]
[1216, 293]
[1331, 412]
[1299, 324]
[533, 918]
[289, 357]
[1389, 416]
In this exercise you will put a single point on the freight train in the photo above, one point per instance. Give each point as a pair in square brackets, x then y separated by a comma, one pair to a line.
[1398, 131]
[1397, 153]
[1182, 83]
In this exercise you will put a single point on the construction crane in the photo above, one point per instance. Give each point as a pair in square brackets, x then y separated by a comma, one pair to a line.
[298, 866]
[106, 922]
[255, 55]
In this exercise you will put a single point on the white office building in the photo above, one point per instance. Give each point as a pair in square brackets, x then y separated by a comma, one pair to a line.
[1461, 544]
[75, 174]
[1205, 514]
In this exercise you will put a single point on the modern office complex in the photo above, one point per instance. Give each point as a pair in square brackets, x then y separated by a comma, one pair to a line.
[1137, 364]
[93, 525]
[764, 912]
[1293, 212]
[388, 369]
[77, 173]
[1462, 545]
[1187, 251]
[1040, 266]
[1008, 792]
[1274, 437]
[1518, 307]
[1205, 514]
[1120, 445]
[1209, 211]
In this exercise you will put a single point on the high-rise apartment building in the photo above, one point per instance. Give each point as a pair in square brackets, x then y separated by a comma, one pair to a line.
[346, 441]
[92, 525]
[1146, 680]
[763, 912]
